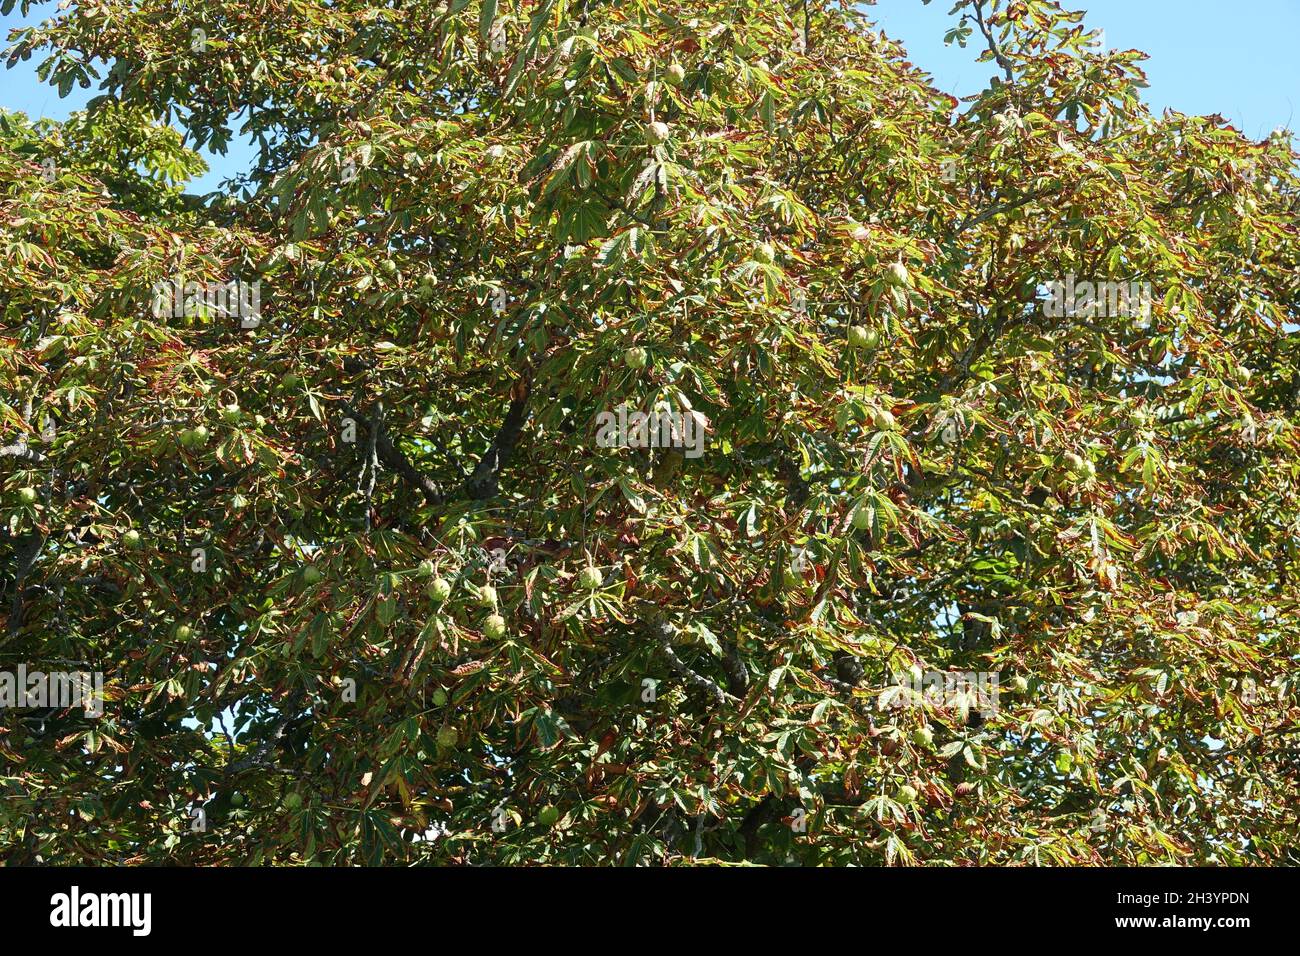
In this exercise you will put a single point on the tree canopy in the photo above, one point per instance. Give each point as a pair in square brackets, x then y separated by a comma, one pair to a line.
[308, 469]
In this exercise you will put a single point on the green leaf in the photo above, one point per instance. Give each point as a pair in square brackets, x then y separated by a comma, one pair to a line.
[487, 16]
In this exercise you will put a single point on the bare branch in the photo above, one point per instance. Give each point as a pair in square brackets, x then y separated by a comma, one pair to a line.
[994, 47]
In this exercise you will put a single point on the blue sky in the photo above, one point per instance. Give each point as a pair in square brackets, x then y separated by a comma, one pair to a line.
[1207, 56]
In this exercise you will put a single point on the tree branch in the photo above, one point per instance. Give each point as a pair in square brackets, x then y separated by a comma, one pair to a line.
[395, 460]
[483, 483]
[994, 47]
[664, 634]
[20, 449]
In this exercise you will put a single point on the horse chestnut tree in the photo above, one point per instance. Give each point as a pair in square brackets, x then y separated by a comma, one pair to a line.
[457, 219]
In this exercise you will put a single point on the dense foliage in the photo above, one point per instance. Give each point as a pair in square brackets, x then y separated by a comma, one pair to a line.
[335, 564]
